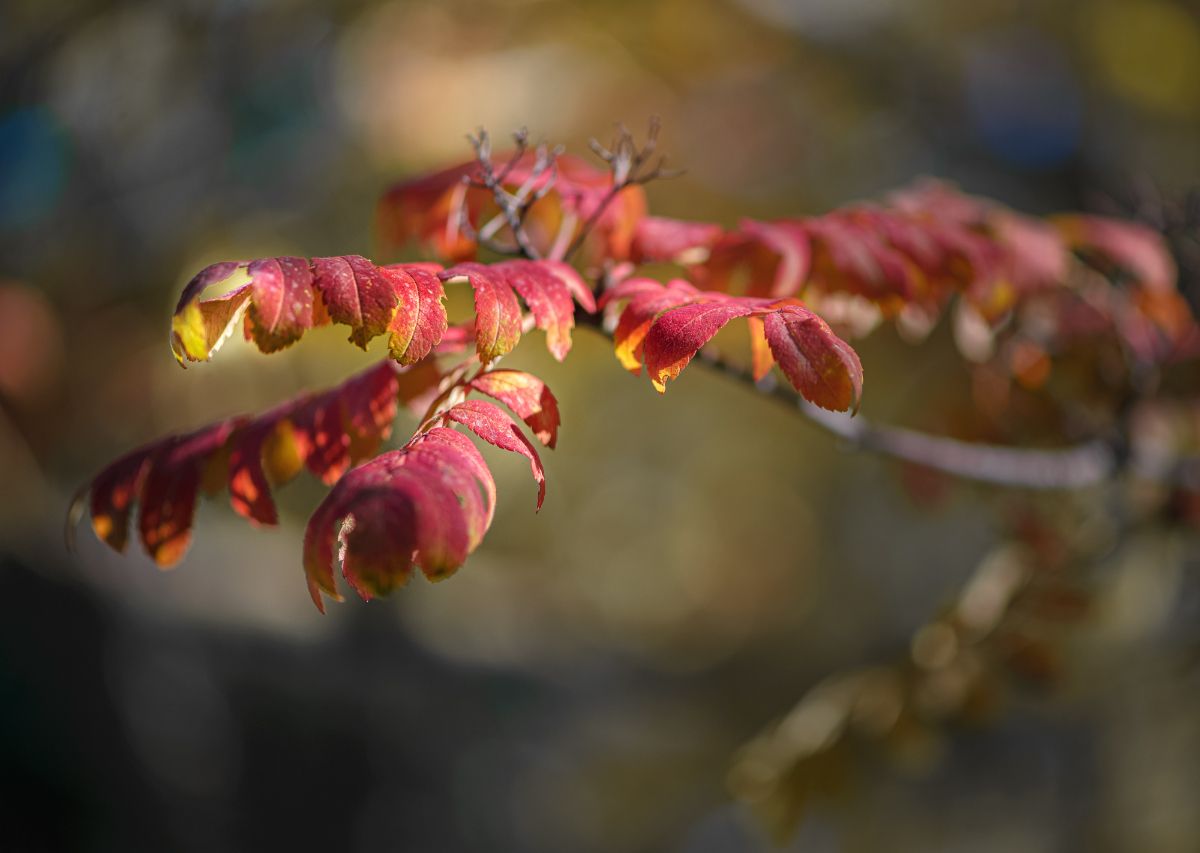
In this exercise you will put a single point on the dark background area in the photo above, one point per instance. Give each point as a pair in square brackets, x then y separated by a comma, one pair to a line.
[702, 560]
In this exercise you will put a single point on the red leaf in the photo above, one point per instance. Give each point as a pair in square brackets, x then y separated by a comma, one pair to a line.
[113, 493]
[658, 239]
[420, 320]
[548, 298]
[575, 284]
[249, 491]
[429, 502]
[489, 422]
[1135, 250]
[282, 305]
[321, 439]
[355, 293]
[929, 196]
[773, 259]
[497, 312]
[546, 286]
[429, 210]
[404, 300]
[646, 299]
[378, 539]
[678, 333]
[458, 338]
[447, 455]
[1037, 254]
[168, 491]
[472, 459]
[199, 328]
[819, 364]
[526, 395]
[859, 260]
[665, 326]
[328, 431]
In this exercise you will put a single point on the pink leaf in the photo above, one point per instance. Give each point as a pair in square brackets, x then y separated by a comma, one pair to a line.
[282, 305]
[497, 312]
[526, 395]
[428, 503]
[819, 364]
[356, 294]
[489, 422]
[420, 320]
[326, 431]
[659, 239]
[548, 298]
[678, 333]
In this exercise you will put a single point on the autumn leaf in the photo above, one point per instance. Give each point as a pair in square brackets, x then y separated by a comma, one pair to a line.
[356, 293]
[422, 504]
[919, 248]
[664, 326]
[657, 239]
[326, 432]
[281, 298]
[489, 422]
[1134, 250]
[497, 311]
[427, 504]
[547, 287]
[678, 333]
[420, 321]
[526, 395]
[820, 365]
[200, 327]
[759, 258]
[646, 298]
[281, 307]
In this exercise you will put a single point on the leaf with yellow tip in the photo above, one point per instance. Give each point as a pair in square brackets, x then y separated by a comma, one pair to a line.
[200, 327]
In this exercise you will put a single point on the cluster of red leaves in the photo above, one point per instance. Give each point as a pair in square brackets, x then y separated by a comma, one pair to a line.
[1023, 293]
[908, 257]
[432, 210]
[663, 327]
[429, 502]
[325, 432]
[281, 298]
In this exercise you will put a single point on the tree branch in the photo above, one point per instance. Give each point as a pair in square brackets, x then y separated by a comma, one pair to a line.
[1090, 463]
[1077, 466]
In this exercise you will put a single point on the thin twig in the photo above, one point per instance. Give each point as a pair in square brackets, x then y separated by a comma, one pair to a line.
[513, 206]
[627, 163]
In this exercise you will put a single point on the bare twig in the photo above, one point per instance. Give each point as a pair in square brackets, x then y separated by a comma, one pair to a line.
[514, 206]
[628, 164]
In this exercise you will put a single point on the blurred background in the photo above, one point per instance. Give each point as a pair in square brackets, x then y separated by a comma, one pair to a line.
[703, 559]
